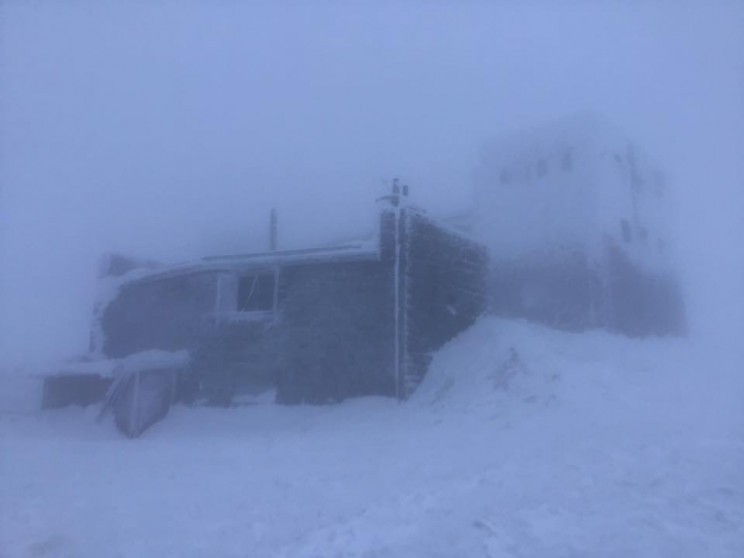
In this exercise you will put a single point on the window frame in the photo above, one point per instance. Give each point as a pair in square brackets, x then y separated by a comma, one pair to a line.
[260, 281]
[228, 296]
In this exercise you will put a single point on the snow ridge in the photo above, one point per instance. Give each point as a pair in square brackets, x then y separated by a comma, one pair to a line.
[520, 442]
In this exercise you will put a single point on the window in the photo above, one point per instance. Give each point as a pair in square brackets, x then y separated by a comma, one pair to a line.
[256, 292]
[626, 232]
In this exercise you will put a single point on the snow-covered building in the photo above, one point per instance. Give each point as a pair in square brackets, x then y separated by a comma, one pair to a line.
[576, 220]
[315, 325]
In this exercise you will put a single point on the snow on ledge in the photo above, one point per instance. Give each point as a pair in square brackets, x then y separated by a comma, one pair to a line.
[137, 362]
[152, 359]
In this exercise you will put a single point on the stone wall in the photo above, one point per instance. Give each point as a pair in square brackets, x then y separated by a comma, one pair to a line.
[164, 313]
[443, 289]
[335, 333]
[574, 292]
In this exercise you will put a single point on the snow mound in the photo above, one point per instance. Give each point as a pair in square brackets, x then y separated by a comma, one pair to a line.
[499, 363]
[491, 365]
[521, 442]
[510, 369]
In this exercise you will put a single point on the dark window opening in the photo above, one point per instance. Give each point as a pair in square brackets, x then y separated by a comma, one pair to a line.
[256, 292]
[627, 233]
[542, 168]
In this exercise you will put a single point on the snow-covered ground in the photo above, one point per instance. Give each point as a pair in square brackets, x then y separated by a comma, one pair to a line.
[522, 442]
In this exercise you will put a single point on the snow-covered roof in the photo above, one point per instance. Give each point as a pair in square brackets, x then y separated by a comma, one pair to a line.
[353, 251]
[357, 250]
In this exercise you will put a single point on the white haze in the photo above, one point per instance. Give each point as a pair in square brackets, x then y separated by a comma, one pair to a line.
[169, 130]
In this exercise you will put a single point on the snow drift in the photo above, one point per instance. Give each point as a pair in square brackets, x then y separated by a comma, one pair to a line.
[521, 442]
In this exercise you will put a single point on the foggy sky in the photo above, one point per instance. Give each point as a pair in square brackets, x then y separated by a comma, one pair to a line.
[169, 129]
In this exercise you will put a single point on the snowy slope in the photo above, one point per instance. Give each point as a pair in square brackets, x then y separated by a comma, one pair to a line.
[521, 442]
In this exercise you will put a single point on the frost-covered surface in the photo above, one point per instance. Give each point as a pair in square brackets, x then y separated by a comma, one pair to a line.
[107, 289]
[144, 360]
[110, 287]
[521, 442]
[362, 250]
[153, 359]
[102, 367]
[570, 185]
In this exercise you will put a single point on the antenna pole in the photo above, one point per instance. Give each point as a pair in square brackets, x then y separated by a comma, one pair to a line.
[273, 230]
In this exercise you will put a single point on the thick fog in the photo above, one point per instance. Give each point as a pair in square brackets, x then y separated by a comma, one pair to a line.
[405, 397]
[168, 130]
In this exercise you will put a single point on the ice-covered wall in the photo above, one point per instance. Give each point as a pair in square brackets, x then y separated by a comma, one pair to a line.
[571, 185]
[443, 288]
[633, 206]
[353, 323]
[576, 218]
[535, 192]
[168, 313]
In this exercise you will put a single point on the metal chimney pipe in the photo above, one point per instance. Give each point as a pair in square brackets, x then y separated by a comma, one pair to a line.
[395, 197]
[273, 230]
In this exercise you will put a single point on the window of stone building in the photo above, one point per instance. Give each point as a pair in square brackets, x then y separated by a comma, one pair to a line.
[256, 292]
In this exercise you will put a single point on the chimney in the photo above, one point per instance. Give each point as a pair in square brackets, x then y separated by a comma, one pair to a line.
[272, 230]
[395, 197]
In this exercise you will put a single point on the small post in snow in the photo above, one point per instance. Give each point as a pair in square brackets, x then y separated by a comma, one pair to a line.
[273, 230]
